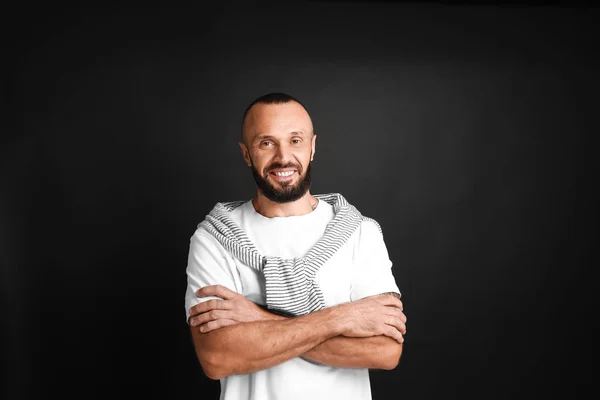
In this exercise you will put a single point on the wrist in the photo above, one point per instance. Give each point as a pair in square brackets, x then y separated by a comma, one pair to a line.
[270, 315]
[334, 320]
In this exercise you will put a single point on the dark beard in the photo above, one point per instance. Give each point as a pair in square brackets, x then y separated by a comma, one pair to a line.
[287, 193]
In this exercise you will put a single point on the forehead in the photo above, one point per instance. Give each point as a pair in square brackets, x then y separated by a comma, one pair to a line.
[275, 120]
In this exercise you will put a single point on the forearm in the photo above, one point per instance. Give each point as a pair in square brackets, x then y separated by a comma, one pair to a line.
[378, 352]
[252, 346]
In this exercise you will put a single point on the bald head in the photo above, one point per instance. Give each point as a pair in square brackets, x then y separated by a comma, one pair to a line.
[268, 111]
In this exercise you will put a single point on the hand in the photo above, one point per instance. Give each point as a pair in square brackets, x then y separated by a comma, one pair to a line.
[230, 309]
[373, 316]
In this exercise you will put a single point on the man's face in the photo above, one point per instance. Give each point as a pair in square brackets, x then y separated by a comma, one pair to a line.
[279, 146]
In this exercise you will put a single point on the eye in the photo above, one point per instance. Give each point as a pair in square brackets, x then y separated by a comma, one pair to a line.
[266, 143]
[296, 141]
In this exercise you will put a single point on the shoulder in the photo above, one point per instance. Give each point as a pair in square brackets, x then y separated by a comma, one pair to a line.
[368, 226]
[223, 212]
[371, 227]
[368, 234]
[207, 253]
[204, 242]
[202, 235]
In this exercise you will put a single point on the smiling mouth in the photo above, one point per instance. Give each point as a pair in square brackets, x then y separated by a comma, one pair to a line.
[282, 174]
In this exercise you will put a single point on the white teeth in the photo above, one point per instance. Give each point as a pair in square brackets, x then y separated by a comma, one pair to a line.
[287, 173]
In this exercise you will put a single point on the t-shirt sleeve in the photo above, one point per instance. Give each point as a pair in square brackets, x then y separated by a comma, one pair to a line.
[372, 270]
[208, 264]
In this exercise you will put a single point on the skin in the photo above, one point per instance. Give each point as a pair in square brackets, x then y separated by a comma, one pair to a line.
[370, 333]
[279, 133]
[232, 335]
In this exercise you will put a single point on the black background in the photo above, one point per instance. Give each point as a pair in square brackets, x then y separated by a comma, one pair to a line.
[468, 132]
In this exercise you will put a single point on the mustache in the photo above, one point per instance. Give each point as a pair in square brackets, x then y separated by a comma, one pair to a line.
[277, 165]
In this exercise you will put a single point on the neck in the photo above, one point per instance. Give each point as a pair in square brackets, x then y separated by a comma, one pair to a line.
[270, 209]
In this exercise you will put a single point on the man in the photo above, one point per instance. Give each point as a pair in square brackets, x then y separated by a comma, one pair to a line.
[290, 295]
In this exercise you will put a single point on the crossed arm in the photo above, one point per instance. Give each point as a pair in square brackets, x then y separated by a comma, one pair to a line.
[232, 335]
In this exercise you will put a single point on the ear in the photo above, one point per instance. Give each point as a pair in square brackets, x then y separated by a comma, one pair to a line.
[245, 153]
[314, 140]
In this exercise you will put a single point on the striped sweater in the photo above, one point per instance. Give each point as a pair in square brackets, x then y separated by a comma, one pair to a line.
[291, 286]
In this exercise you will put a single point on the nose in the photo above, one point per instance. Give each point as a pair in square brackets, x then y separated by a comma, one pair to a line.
[282, 154]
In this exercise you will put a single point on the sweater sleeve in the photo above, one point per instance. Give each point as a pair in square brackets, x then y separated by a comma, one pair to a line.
[372, 269]
[208, 264]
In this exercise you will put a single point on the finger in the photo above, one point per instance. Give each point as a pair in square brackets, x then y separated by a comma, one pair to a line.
[393, 311]
[216, 290]
[212, 304]
[208, 316]
[394, 334]
[213, 325]
[391, 301]
[397, 323]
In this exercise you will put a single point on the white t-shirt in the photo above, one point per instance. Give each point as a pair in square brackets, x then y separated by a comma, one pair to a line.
[360, 268]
